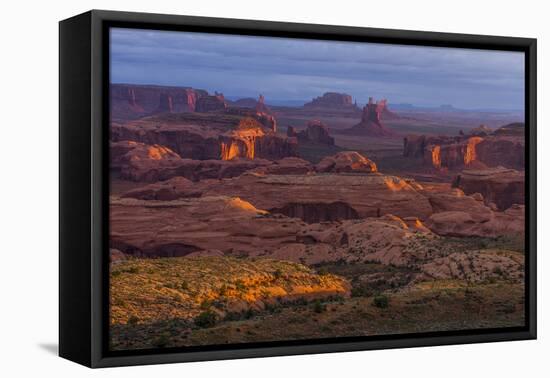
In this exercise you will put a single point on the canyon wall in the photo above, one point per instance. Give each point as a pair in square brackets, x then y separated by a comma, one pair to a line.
[136, 101]
[456, 152]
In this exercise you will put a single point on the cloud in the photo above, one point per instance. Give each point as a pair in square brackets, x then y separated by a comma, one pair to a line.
[296, 69]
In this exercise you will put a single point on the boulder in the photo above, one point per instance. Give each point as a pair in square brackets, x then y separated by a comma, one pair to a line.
[346, 162]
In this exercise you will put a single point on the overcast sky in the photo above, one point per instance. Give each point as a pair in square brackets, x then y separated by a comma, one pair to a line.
[294, 69]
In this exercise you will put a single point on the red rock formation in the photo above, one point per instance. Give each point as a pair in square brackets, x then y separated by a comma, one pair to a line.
[481, 131]
[165, 104]
[203, 136]
[135, 101]
[286, 166]
[464, 151]
[169, 190]
[453, 155]
[371, 121]
[501, 186]
[213, 103]
[370, 195]
[456, 214]
[267, 120]
[414, 146]
[502, 150]
[331, 100]
[291, 132]
[140, 162]
[316, 132]
[346, 162]
[261, 107]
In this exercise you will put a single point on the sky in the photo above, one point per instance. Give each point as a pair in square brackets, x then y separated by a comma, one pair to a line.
[285, 69]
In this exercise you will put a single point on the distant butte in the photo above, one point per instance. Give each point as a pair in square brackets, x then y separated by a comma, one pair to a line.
[371, 120]
[331, 100]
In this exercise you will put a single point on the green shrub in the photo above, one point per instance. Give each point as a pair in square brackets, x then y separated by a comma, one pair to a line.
[323, 271]
[319, 307]
[278, 273]
[162, 340]
[240, 286]
[206, 319]
[133, 320]
[381, 301]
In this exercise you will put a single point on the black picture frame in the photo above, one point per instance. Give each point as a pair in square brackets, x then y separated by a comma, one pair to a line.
[84, 186]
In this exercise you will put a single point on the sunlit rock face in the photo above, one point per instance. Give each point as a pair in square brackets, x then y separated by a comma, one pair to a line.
[504, 146]
[208, 136]
[450, 155]
[241, 143]
[346, 162]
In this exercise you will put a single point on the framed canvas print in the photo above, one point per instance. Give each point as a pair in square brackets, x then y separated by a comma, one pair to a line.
[233, 188]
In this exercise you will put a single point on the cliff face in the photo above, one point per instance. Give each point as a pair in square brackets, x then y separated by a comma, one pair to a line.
[371, 121]
[213, 103]
[451, 155]
[200, 138]
[500, 186]
[498, 148]
[135, 101]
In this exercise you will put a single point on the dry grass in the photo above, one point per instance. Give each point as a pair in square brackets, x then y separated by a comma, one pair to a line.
[157, 289]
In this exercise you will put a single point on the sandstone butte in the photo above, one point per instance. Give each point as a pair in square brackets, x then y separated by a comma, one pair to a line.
[315, 132]
[203, 136]
[331, 100]
[505, 146]
[501, 186]
[371, 121]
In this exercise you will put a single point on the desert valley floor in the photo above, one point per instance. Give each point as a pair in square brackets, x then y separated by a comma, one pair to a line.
[235, 221]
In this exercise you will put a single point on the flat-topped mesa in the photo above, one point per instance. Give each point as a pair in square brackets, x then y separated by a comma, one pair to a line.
[212, 103]
[504, 146]
[316, 132]
[371, 121]
[331, 100]
[130, 101]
